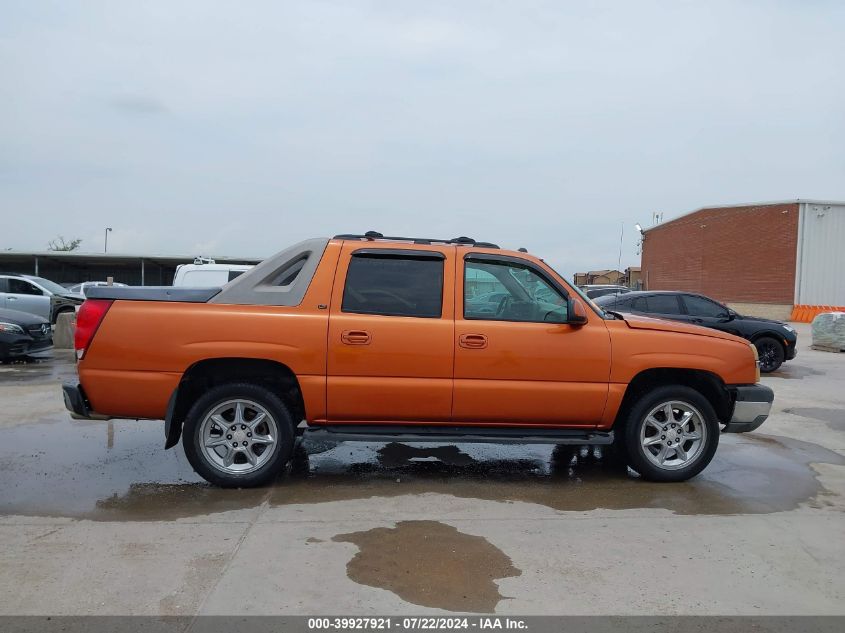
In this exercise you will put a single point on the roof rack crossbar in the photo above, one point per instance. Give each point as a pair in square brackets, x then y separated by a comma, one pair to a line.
[374, 235]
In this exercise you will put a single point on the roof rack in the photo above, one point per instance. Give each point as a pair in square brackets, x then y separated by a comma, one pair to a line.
[375, 235]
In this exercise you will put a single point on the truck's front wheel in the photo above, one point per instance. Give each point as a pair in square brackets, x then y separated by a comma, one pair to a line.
[671, 434]
[238, 435]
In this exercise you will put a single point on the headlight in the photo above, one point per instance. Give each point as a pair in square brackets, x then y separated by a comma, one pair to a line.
[10, 328]
[788, 328]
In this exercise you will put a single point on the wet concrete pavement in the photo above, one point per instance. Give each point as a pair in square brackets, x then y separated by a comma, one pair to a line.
[96, 518]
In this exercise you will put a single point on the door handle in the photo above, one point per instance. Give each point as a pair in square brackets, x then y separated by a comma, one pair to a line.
[355, 337]
[473, 341]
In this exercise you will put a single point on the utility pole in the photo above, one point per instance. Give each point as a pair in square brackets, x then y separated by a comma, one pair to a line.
[106, 245]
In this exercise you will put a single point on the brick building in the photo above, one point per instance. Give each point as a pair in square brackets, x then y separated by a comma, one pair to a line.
[760, 258]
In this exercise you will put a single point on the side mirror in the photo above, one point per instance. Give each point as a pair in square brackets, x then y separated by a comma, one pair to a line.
[576, 312]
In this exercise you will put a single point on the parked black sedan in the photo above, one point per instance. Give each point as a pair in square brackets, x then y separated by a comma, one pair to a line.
[22, 333]
[775, 341]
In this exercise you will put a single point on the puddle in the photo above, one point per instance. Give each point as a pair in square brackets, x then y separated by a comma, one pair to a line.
[750, 474]
[835, 418]
[54, 366]
[118, 471]
[430, 564]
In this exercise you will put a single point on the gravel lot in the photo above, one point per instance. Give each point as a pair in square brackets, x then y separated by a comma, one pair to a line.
[95, 518]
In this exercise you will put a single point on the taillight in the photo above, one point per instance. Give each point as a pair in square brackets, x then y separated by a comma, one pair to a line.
[88, 319]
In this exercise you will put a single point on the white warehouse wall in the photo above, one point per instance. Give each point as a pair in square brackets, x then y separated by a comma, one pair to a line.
[820, 267]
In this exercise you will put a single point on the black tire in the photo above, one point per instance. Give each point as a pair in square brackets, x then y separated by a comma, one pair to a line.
[272, 465]
[637, 419]
[771, 353]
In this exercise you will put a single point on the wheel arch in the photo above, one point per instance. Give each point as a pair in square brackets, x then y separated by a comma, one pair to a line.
[212, 372]
[708, 384]
[767, 334]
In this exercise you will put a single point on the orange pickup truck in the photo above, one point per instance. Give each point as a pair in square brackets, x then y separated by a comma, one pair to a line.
[366, 337]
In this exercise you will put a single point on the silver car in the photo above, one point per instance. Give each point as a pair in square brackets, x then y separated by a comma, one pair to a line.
[36, 295]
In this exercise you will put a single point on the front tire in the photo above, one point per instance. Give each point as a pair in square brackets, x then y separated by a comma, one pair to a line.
[671, 434]
[238, 435]
[771, 354]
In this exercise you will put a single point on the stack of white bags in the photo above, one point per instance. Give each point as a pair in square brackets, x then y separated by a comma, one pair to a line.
[829, 330]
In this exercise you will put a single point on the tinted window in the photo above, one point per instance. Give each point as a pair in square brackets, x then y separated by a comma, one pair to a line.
[394, 286]
[701, 307]
[235, 273]
[522, 293]
[639, 304]
[602, 292]
[663, 304]
[19, 286]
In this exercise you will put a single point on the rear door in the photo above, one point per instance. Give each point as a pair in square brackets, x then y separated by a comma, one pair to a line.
[391, 325]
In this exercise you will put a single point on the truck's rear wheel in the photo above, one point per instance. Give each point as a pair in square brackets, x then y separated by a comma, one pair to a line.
[238, 435]
[671, 434]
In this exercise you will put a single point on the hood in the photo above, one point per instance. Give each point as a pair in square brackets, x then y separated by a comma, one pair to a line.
[69, 297]
[20, 318]
[639, 322]
[760, 320]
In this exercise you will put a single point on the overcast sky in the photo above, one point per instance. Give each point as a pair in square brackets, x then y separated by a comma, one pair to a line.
[240, 127]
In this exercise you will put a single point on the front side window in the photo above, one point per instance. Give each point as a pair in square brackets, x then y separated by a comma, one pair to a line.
[21, 287]
[500, 290]
[394, 285]
[701, 307]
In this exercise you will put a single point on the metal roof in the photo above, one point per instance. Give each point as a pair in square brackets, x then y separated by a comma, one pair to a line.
[743, 204]
[9, 254]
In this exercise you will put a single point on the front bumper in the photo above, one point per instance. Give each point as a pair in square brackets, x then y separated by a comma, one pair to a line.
[15, 345]
[752, 404]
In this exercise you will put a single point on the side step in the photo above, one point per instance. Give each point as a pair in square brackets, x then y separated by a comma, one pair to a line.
[455, 434]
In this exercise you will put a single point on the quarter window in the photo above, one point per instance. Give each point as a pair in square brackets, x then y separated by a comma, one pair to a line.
[394, 285]
[508, 291]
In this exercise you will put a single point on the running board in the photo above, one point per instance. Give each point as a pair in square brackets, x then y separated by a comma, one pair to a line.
[456, 434]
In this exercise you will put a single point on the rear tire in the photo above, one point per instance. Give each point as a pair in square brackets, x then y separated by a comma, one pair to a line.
[238, 435]
[671, 434]
[771, 353]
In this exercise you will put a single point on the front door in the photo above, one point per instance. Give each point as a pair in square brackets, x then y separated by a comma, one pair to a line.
[520, 362]
[27, 297]
[703, 311]
[390, 351]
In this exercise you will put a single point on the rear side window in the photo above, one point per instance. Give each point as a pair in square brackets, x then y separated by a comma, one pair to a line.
[235, 273]
[394, 285]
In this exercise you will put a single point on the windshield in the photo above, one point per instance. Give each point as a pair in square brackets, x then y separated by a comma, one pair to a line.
[52, 286]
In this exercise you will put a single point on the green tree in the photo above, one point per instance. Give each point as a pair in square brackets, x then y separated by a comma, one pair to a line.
[59, 244]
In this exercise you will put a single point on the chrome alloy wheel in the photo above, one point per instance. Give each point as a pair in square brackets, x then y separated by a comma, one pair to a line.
[238, 436]
[673, 435]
